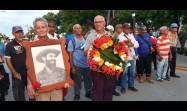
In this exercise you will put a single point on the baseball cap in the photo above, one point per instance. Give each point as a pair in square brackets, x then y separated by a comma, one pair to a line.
[126, 25]
[173, 25]
[143, 28]
[16, 28]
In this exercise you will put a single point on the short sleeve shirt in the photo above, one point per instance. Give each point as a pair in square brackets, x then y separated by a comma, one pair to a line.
[79, 59]
[17, 54]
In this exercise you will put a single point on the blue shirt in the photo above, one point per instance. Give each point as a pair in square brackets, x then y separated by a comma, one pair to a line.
[79, 59]
[2, 50]
[144, 47]
[69, 37]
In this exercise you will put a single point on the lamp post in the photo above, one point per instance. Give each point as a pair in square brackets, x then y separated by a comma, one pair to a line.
[134, 20]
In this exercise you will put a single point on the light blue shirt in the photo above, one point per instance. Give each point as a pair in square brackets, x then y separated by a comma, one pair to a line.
[2, 50]
[79, 59]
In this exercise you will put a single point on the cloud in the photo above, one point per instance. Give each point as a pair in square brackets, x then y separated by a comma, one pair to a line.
[24, 18]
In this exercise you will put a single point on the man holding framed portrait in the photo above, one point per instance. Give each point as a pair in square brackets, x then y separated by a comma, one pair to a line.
[48, 65]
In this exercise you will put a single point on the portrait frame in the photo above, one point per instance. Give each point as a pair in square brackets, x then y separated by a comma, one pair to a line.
[30, 63]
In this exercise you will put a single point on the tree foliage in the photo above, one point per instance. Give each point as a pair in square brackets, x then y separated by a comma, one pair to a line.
[67, 18]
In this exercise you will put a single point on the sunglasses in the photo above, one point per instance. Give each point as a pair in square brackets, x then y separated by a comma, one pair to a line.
[174, 27]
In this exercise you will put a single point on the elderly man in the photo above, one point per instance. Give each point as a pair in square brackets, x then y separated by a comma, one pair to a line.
[163, 49]
[173, 37]
[102, 86]
[41, 29]
[79, 65]
[130, 72]
[16, 57]
[144, 53]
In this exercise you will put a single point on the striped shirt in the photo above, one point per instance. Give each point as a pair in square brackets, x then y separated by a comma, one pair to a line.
[173, 37]
[163, 45]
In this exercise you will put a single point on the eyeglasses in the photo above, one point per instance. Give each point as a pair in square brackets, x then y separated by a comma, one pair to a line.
[174, 27]
[98, 21]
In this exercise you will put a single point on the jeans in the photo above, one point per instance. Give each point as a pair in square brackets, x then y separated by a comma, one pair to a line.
[162, 67]
[85, 72]
[18, 87]
[173, 62]
[115, 82]
[130, 72]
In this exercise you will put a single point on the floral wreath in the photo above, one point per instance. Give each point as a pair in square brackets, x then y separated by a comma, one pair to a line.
[109, 56]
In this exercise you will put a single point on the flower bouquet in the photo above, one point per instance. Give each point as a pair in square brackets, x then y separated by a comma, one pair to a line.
[108, 56]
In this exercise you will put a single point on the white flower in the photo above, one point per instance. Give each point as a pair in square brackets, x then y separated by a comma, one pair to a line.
[110, 27]
[97, 59]
[120, 64]
[108, 64]
[117, 67]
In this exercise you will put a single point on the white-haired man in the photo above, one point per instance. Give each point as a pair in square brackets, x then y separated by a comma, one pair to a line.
[163, 50]
[41, 29]
[79, 65]
[102, 86]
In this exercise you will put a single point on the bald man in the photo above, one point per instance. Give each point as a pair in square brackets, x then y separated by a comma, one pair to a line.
[102, 87]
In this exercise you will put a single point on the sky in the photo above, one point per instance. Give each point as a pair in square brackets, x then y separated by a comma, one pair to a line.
[23, 18]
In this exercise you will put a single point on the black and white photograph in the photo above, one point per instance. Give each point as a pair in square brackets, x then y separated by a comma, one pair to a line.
[48, 59]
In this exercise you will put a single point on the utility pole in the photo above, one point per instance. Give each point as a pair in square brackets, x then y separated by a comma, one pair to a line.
[109, 17]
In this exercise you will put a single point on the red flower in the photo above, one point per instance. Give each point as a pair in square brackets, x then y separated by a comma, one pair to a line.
[92, 53]
[94, 67]
[117, 47]
[36, 85]
[122, 43]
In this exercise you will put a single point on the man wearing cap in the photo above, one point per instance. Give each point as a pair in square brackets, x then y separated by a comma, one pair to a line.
[15, 58]
[48, 57]
[130, 72]
[144, 53]
[173, 37]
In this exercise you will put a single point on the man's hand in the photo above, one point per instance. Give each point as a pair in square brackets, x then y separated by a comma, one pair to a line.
[66, 85]
[73, 69]
[1, 76]
[170, 57]
[17, 75]
[130, 44]
[152, 49]
[85, 53]
[160, 58]
[31, 92]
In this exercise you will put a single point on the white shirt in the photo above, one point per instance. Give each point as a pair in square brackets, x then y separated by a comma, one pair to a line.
[48, 35]
[131, 52]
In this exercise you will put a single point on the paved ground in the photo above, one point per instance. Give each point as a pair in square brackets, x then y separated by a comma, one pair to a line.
[174, 90]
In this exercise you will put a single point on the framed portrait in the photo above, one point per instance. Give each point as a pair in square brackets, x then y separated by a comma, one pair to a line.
[47, 64]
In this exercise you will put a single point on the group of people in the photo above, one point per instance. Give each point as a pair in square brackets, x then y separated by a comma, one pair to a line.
[144, 49]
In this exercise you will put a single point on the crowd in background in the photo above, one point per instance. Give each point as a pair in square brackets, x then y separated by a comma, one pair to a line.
[149, 51]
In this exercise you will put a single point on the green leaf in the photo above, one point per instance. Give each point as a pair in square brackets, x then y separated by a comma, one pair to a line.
[108, 55]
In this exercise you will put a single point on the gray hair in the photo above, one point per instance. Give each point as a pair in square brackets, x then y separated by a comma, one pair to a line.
[118, 26]
[41, 20]
[163, 28]
[99, 17]
[76, 25]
